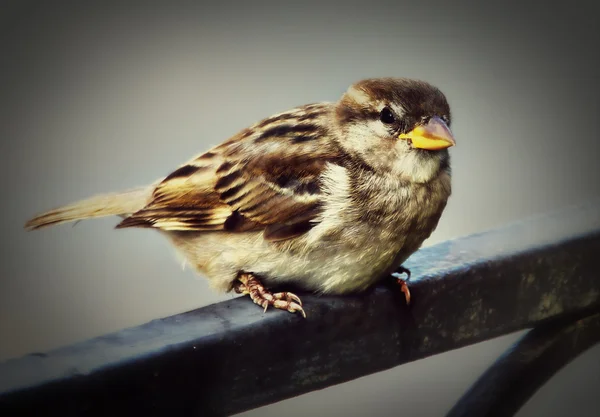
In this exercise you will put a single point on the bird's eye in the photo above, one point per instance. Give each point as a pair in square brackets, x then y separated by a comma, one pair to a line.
[386, 116]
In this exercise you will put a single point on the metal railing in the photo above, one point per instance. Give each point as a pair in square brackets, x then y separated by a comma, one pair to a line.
[229, 357]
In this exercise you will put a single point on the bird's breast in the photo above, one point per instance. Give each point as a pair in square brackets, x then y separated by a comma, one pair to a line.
[375, 231]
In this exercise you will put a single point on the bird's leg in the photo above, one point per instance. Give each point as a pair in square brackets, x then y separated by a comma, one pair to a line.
[247, 283]
[403, 282]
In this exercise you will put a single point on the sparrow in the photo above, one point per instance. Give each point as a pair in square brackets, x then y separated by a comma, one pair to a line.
[327, 197]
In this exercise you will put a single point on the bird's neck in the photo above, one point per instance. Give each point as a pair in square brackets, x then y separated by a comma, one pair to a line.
[382, 195]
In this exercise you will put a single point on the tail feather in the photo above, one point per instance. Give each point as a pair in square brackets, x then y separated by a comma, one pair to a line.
[113, 204]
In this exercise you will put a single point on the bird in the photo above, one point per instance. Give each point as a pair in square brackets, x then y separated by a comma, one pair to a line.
[328, 197]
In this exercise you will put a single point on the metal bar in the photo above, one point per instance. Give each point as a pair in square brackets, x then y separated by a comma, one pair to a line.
[504, 388]
[229, 357]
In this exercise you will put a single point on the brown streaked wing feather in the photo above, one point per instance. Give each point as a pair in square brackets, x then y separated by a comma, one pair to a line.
[279, 192]
[265, 180]
[185, 200]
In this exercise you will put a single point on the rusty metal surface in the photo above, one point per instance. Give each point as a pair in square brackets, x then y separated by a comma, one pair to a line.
[507, 385]
[229, 357]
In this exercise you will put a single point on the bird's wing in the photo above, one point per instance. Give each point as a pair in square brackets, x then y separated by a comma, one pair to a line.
[267, 177]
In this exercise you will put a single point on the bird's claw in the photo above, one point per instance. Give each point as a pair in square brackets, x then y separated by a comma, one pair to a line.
[287, 304]
[249, 284]
[287, 296]
[403, 282]
[405, 290]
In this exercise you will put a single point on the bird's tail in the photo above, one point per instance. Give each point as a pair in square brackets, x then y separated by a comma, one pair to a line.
[113, 204]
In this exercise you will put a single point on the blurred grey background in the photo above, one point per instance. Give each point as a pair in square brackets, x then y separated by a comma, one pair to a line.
[101, 96]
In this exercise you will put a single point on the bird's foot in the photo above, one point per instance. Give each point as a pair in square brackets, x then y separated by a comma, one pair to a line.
[403, 282]
[248, 284]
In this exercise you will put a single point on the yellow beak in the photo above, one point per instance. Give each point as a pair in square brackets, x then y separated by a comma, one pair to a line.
[433, 136]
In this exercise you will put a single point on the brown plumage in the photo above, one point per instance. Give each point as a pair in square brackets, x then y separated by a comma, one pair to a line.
[329, 196]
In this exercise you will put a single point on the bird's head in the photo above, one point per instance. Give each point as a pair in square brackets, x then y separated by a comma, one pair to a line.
[396, 125]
